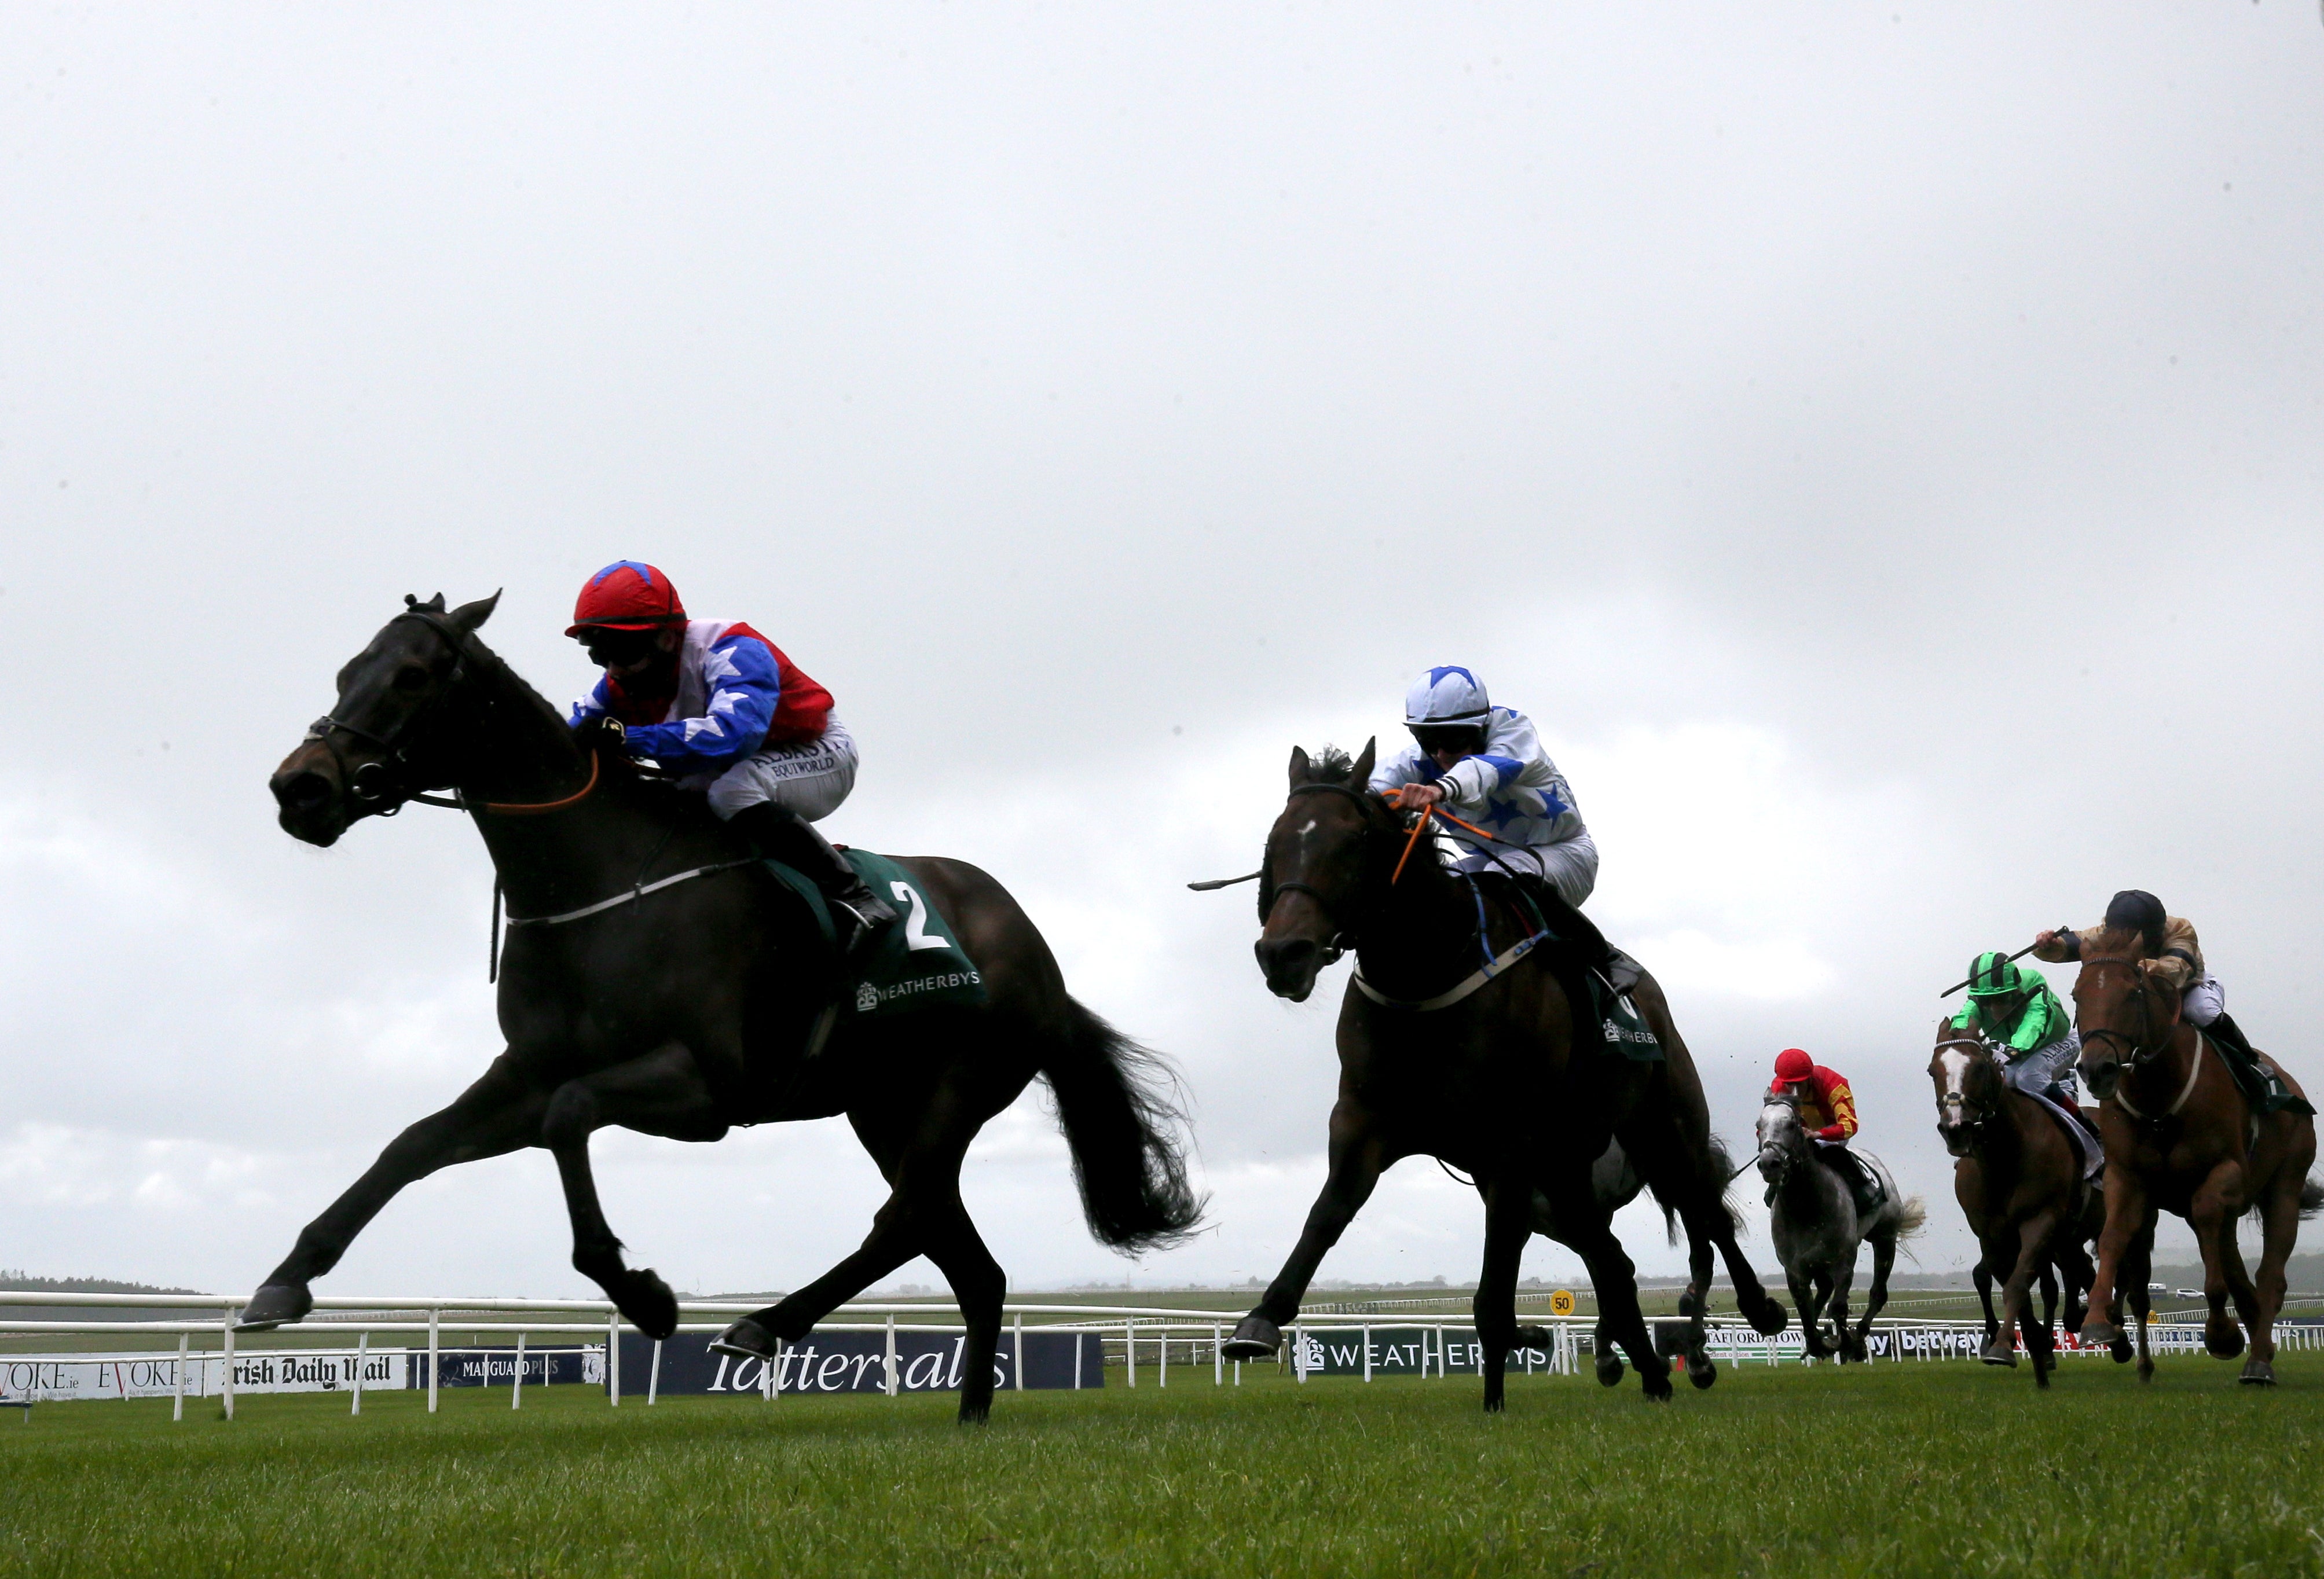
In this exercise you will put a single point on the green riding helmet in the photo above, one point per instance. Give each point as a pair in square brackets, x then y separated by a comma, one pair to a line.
[1994, 974]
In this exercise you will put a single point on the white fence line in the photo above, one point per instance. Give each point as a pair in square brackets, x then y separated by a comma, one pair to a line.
[1158, 1330]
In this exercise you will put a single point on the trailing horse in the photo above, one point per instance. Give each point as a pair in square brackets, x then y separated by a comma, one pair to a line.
[2019, 1181]
[1817, 1232]
[2182, 1137]
[1484, 1075]
[669, 984]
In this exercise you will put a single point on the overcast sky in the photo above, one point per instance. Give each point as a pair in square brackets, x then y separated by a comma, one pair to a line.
[1881, 446]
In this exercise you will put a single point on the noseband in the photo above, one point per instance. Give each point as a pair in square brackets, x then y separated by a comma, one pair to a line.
[378, 784]
[1958, 1101]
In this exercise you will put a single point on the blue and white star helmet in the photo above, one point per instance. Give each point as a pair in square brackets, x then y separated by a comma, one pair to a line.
[1447, 694]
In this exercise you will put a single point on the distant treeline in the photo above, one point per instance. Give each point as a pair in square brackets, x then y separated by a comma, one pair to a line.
[19, 1282]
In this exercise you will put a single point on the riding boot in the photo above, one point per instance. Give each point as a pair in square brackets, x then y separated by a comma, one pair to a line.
[2230, 1037]
[781, 834]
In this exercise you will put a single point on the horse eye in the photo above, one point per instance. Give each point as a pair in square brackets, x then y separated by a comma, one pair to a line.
[411, 679]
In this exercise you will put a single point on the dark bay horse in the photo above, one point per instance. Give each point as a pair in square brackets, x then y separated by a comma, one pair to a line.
[1817, 1230]
[1491, 1083]
[688, 995]
[2019, 1181]
[2182, 1137]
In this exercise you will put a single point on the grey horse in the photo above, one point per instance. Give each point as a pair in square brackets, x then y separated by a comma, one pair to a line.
[1816, 1229]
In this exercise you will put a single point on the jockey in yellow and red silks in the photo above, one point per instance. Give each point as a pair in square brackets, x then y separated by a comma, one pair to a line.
[1828, 1115]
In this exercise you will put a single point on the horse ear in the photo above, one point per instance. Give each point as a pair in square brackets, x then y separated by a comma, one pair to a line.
[1360, 775]
[468, 616]
[434, 605]
[1299, 766]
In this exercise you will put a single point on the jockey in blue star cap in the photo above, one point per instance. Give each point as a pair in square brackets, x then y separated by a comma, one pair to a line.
[1485, 764]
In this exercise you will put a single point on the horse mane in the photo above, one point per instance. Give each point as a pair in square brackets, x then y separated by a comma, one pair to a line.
[2124, 943]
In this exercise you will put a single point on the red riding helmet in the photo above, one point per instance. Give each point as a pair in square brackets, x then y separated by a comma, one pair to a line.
[1791, 1064]
[627, 596]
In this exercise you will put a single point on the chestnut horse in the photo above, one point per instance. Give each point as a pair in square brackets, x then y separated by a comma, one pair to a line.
[1488, 1079]
[688, 995]
[2182, 1137]
[2019, 1181]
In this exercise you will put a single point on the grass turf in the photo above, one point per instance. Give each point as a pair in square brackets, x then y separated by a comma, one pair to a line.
[1895, 1470]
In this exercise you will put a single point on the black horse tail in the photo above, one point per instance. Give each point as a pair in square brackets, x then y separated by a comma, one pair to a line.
[2311, 1198]
[1724, 1167]
[1115, 1101]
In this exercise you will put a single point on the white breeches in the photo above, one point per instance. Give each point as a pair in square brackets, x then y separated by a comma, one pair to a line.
[2204, 1001]
[810, 777]
[1570, 865]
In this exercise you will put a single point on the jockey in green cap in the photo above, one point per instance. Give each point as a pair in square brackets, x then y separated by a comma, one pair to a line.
[2015, 1010]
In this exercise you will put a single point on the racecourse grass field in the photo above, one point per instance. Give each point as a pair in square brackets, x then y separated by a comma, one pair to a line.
[1890, 1470]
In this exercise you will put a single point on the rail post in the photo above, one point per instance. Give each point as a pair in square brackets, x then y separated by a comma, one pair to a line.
[177, 1409]
[1217, 1356]
[1130, 1346]
[1367, 1353]
[433, 1313]
[227, 1359]
[1162, 1361]
[363, 1354]
[516, 1392]
[891, 1353]
[1077, 1362]
[614, 1357]
[1021, 1352]
[653, 1374]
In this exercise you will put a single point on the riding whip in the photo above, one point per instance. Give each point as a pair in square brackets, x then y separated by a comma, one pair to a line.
[2021, 954]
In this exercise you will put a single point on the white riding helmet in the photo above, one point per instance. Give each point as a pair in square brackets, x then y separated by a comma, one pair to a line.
[1446, 695]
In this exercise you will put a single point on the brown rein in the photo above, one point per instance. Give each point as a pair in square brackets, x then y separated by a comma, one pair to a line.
[535, 808]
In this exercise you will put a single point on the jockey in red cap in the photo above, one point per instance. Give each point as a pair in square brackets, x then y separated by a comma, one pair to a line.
[720, 708]
[1828, 1115]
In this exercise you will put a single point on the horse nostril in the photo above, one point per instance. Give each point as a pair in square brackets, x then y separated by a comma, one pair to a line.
[303, 792]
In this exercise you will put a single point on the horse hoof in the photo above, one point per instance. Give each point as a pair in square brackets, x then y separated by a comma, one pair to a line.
[1771, 1319]
[1703, 1374]
[976, 1415]
[274, 1305]
[2099, 1333]
[1999, 1354]
[1610, 1369]
[1255, 1338]
[646, 1300]
[1689, 1306]
[2122, 1351]
[2257, 1372]
[1658, 1389]
[745, 1339]
[1531, 1337]
[2224, 1342]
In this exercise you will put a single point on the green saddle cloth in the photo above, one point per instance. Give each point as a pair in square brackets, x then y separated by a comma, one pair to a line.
[914, 964]
[1619, 1024]
[2262, 1087]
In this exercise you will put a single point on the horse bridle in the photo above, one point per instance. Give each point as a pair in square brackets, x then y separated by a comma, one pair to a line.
[2134, 1055]
[1344, 934]
[1958, 1100]
[380, 785]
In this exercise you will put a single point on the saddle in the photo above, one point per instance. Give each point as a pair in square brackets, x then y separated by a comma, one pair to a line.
[2261, 1082]
[1864, 1186]
[1597, 976]
[2081, 1132]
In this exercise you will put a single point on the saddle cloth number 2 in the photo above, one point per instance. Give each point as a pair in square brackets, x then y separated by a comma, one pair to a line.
[916, 935]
